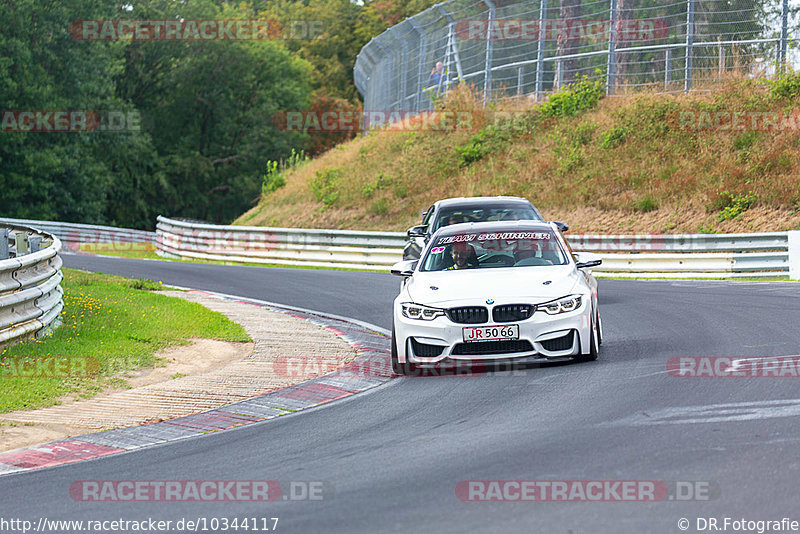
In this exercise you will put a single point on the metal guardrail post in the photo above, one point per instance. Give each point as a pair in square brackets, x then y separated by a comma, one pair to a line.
[794, 254]
[612, 59]
[540, 48]
[21, 243]
[35, 243]
[3, 243]
[487, 79]
[687, 81]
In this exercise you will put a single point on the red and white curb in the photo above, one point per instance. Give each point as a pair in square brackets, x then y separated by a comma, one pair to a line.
[370, 342]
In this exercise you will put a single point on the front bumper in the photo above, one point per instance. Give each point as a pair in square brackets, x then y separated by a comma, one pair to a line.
[542, 338]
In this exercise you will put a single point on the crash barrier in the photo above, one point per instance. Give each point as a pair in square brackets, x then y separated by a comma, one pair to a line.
[280, 246]
[31, 298]
[760, 255]
[75, 237]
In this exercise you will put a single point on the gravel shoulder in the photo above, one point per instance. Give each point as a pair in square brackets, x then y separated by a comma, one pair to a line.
[205, 375]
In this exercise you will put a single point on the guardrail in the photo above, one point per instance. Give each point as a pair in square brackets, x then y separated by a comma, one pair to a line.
[31, 298]
[73, 235]
[281, 246]
[760, 255]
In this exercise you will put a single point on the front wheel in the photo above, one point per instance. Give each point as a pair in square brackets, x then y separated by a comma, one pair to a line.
[397, 367]
[594, 343]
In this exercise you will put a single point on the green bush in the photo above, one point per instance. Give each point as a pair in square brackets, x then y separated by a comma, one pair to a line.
[786, 85]
[584, 133]
[571, 158]
[381, 183]
[324, 185]
[274, 175]
[646, 204]
[489, 139]
[739, 204]
[573, 98]
[614, 137]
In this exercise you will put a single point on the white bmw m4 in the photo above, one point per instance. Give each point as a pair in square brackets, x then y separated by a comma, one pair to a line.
[495, 292]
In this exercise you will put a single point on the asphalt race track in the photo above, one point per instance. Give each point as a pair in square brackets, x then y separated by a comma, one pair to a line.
[394, 456]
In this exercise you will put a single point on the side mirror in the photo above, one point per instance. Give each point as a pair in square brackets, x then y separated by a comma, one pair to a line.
[404, 268]
[587, 259]
[564, 227]
[420, 230]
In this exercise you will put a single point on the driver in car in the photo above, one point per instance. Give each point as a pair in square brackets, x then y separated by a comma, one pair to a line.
[464, 256]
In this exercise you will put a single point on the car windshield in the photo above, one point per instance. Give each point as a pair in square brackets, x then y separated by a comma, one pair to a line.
[505, 248]
[450, 216]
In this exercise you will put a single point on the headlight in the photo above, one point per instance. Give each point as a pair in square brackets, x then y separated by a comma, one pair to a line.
[417, 311]
[562, 305]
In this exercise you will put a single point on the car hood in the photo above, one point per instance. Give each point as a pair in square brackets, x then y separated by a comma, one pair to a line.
[503, 285]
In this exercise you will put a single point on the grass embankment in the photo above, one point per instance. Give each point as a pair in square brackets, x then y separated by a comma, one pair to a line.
[607, 165]
[110, 325]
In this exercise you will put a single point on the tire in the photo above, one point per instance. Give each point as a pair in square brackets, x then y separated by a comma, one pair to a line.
[599, 331]
[594, 342]
[397, 367]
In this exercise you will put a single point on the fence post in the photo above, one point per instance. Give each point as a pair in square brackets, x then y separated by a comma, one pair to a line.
[794, 254]
[721, 67]
[784, 34]
[612, 59]
[667, 66]
[559, 75]
[540, 48]
[3, 243]
[687, 82]
[421, 70]
[35, 242]
[519, 81]
[452, 43]
[21, 242]
[404, 75]
[487, 79]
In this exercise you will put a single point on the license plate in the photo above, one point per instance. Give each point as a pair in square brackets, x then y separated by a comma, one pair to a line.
[490, 333]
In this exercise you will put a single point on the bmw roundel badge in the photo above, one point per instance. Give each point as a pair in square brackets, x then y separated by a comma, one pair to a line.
[489, 301]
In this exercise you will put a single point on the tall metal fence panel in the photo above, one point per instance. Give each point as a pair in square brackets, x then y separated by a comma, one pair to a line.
[513, 49]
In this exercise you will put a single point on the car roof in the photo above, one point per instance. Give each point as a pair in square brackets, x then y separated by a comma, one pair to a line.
[480, 201]
[493, 226]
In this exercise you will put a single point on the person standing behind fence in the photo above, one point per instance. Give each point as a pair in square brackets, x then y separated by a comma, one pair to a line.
[438, 75]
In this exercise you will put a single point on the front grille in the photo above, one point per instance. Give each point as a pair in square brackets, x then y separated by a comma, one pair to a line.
[492, 347]
[559, 343]
[469, 315]
[508, 313]
[424, 350]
